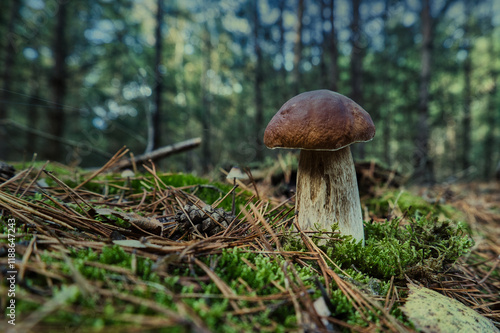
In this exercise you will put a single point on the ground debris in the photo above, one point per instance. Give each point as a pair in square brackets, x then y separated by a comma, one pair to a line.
[207, 220]
[78, 231]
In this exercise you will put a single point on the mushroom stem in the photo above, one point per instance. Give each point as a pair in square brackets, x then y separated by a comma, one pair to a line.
[233, 209]
[327, 192]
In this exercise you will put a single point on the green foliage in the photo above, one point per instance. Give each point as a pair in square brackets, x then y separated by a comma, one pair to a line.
[207, 191]
[392, 249]
[407, 203]
[230, 267]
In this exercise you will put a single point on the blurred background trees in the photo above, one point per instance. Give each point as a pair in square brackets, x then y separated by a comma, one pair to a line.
[80, 79]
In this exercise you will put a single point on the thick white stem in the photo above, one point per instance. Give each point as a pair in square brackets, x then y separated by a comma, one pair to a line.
[327, 192]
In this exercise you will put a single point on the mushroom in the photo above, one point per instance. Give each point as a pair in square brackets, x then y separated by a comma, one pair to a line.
[235, 173]
[323, 124]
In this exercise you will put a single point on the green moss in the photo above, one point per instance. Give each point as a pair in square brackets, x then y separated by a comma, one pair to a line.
[207, 191]
[214, 311]
[392, 249]
[408, 203]
[57, 168]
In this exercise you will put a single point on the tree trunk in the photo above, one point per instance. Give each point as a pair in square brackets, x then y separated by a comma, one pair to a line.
[56, 115]
[6, 77]
[154, 124]
[283, 72]
[357, 65]
[324, 46]
[386, 114]
[206, 102]
[466, 120]
[33, 114]
[423, 169]
[356, 55]
[259, 108]
[492, 117]
[334, 52]
[298, 49]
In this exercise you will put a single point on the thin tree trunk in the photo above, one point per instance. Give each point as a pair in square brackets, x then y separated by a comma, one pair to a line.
[206, 154]
[259, 78]
[324, 46]
[356, 55]
[298, 49]
[154, 130]
[283, 72]
[357, 64]
[6, 77]
[423, 172]
[181, 84]
[386, 114]
[334, 52]
[31, 142]
[452, 137]
[492, 116]
[466, 120]
[56, 116]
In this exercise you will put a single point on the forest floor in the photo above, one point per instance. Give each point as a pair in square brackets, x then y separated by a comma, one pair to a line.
[152, 251]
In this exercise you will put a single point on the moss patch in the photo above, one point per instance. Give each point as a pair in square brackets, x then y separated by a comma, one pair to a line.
[410, 204]
[420, 246]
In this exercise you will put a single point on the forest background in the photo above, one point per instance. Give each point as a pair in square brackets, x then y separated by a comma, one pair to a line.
[80, 79]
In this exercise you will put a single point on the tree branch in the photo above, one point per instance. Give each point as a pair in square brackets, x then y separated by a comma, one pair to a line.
[160, 153]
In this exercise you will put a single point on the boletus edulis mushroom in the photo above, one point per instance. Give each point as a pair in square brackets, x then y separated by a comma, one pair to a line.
[323, 124]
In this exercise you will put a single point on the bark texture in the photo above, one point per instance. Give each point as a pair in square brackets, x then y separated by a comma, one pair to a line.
[206, 102]
[259, 80]
[154, 126]
[423, 172]
[297, 57]
[59, 80]
[356, 69]
[327, 192]
[8, 66]
[334, 53]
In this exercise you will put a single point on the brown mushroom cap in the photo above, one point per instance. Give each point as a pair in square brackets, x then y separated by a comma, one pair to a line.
[319, 120]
